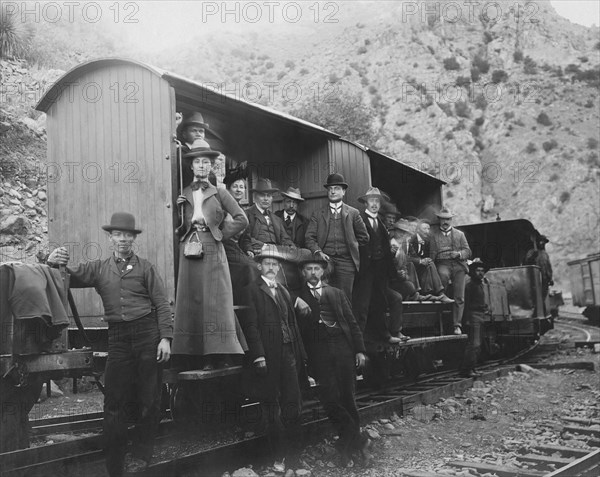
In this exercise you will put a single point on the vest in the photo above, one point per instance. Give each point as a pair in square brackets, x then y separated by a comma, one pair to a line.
[376, 244]
[265, 233]
[335, 245]
[285, 323]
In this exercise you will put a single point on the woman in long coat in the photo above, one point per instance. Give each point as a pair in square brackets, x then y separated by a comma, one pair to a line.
[204, 316]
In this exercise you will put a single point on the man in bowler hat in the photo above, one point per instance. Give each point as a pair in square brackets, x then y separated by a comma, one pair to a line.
[139, 341]
[335, 234]
[449, 249]
[335, 349]
[295, 223]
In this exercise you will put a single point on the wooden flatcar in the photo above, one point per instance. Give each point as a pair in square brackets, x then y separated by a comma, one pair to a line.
[584, 275]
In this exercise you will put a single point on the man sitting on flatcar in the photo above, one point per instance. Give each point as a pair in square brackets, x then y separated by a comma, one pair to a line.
[406, 282]
[450, 250]
[139, 342]
[418, 254]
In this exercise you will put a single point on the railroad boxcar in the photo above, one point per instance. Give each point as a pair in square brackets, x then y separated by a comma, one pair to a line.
[584, 275]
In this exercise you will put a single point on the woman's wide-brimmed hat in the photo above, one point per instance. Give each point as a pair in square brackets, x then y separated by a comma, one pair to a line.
[122, 221]
[477, 263]
[293, 193]
[193, 118]
[335, 179]
[200, 148]
[264, 186]
[374, 192]
[239, 173]
[445, 213]
[402, 224]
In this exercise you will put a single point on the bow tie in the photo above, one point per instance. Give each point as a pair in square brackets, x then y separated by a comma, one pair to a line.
[314, 288]
[272, 285]
[199, 185]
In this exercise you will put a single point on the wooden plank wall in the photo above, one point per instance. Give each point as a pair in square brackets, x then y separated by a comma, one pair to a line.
[107, 147]
[354, 164]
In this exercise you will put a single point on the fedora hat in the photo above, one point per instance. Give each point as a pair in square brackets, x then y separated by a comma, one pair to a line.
[269, 251]
[311, 258]
[445, 213]
[335, 179]
[402, 224]
[477, 263]
[293, 193]
[193, 118]
[264, 185]
[122, 221]
[374, 192]
[200, 148]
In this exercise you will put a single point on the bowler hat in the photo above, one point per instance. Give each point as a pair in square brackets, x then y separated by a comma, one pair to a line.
[477, 263]
[200, 148]
[193, 118]
[445, 213]
[269, 251]
[335, 179]
[293, 193]
[373, 192]
[264, 185]
[312, 258]
[122, 221]
[402, 224]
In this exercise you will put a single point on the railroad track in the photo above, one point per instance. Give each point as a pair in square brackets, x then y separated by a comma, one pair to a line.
[176, 452]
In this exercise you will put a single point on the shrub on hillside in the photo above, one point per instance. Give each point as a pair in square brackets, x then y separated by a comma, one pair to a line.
[304, 71]
[362, 50]
[543, 119]
[447, 108]
[565, 196]
[462, 81]
[462, 109]
[15, 36]
[499, 76]
[549, 145]
[269, 65]
[592, 143]
[481, 63]
[451, 64]
[479, 121]
[343, 113]
[481, 102]
[529, 66]
[290, 64]
[518, 56]
[475, 74]
[530, 149]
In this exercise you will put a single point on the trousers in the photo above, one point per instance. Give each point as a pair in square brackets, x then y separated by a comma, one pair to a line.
[473, 349]
[132, 382]
[453, 270]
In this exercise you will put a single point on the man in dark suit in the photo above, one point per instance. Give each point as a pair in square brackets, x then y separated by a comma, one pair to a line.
[295, 223]
[371, 289]
[335, 234]
[264, 227]
[277, 355]
[418, 254]
[449, 250]
[335, 349]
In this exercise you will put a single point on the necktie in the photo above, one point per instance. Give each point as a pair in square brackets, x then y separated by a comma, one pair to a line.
[267, 218]
[335, 211]
[288, 221]
[199, 185]
[316, 293]
[374, 223]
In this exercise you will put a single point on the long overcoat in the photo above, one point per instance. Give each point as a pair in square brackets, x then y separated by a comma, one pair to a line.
[204, 318]
[261, 323]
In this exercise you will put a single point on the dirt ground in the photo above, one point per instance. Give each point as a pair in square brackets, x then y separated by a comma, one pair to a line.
[489, 422]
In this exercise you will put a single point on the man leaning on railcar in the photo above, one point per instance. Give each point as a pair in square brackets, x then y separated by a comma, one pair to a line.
[139, 342]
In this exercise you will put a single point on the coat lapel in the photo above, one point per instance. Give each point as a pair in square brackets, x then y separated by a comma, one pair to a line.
[132, 263]
[113, 266]
[265, 288]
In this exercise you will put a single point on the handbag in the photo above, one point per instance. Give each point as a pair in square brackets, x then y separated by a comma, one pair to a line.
[193, 249]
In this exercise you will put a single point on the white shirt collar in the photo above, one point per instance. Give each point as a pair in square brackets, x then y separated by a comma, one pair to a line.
[336, 205]
[286, 215]
[371, 214]
[318, 285]
[269, 282]
[260, 209]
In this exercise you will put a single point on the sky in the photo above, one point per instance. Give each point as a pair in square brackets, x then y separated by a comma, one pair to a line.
[584, 12]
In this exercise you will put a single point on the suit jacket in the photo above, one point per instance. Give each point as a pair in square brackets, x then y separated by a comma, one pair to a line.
[261, 323]
[216, 205]
[297, 229]
[459, 244]
[248, 242]
[337, 301]
[354, 229]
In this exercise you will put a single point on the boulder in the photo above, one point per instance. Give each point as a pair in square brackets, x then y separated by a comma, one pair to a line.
[42, 195]
[15, 225]
[30, 204]
[15, 193]
[244, 472]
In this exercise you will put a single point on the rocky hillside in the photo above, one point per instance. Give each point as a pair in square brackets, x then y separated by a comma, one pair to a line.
[503, 107]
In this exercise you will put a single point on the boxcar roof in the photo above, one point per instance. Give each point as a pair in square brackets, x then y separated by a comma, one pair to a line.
[181, 85]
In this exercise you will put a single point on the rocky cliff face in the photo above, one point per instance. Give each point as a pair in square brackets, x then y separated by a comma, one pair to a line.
[500, 103]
